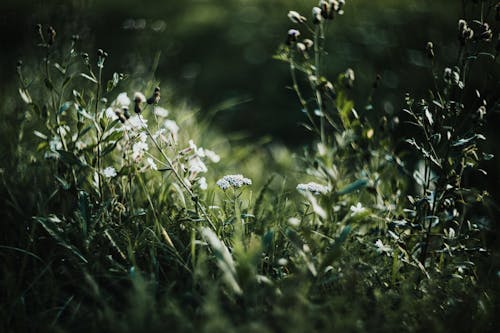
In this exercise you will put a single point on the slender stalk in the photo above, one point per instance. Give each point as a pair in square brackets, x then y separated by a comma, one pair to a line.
[178, 176]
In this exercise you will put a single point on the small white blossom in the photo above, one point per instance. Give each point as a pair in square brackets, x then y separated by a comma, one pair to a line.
[138, 150]
[109, 172]
[137, 122]
[357, 209]
[172, 128]
[235, 181]
[381, 248]
[161, 112]
[110, 114]
[196, 165]
[293, 221]
[151, 163]
[313, 187]
[202, 182]
[212, 156]
[122, 100]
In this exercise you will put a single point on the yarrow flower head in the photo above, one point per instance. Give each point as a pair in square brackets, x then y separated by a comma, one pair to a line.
[235, 181]
[313, 187]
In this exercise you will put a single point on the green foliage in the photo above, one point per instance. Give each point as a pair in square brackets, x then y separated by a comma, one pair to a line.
[122, 222]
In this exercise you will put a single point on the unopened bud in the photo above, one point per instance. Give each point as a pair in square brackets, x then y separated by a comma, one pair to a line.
[155, 98]
[316, 15]
[295, 17]
[293, 34]
[430, 50]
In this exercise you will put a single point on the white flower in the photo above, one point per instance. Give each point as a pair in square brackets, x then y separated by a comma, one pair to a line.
[137, 122]
[122, 100]
[171, 126]
[293, 221]
[212, 156]
[139, 97]
[313, 187]
[202, 182]
[109, 172]
[110, 114]
[235, 181]
[160, 112]
[151, 163]
[196, 165]
[138, 150]
[357, 209]
[381, 248]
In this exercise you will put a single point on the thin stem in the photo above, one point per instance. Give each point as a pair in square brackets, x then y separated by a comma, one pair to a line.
[178, 176]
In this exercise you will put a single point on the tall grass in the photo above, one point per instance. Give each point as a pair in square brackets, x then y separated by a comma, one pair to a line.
[116, 219]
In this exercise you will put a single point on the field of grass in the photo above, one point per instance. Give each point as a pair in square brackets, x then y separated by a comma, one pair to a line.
[125, 210]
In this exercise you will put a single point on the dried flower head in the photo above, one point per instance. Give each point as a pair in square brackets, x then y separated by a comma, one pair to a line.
[316, 15]
[429, 48]
[234, 181]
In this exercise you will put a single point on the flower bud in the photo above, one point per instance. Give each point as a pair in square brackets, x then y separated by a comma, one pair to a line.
[295, 17]
[308, 43]
[293, 34]
[316, 15]
[430, 50]
[138, 100]
[155, 98]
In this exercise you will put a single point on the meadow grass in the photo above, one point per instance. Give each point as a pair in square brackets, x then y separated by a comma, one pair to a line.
[124, 211]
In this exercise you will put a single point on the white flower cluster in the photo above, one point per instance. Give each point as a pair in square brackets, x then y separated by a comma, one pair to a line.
[235, 181]
[382, 248]
[314, 188]
[120, 104]
[109, 172]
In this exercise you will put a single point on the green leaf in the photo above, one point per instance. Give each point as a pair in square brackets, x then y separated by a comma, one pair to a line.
[354, 186]
[91, 79]
[49, 84]
[335, 250]
[70, 158]
[56, 232]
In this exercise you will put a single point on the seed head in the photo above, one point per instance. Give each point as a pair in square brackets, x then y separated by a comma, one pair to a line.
[139, 98]
[295, 17]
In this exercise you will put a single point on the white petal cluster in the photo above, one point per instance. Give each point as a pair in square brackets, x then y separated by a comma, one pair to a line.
[172, 128]
[161, 112]
[313, 187]
[121, 102]
[382, 248]
[358, 209]
[109, 172]
[140, 147]
[235, 181]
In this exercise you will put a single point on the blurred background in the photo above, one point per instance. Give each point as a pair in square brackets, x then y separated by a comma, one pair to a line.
[217, 54]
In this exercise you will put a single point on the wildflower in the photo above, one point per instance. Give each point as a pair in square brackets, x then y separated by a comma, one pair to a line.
[235, 181]
[196, 165]
[464, 32]
[212, 156]
[308, 43]
[316, 15]
[138, 150]
[293, 221]
[202, 182]
[349, 77]
[172, 127]
[282, 262]
[295, 17]
[313, 187]
[151, 163]
[430, 50]
[358, 209]
[139, 98]
[293, 34]
[160, 112]
[109, 172]
[381, 248]
[452, 77]
[155, 98]
[137, 122]
[122, 100]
